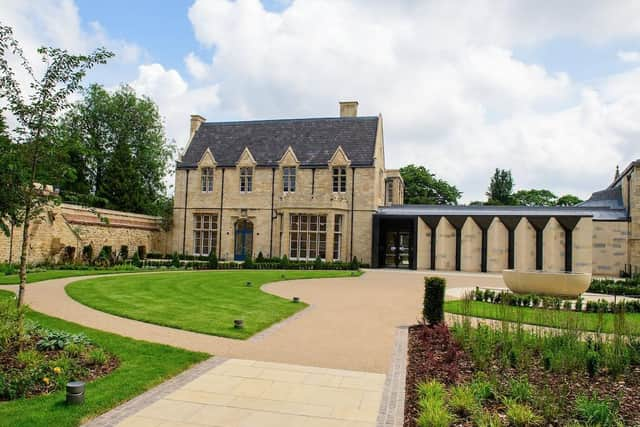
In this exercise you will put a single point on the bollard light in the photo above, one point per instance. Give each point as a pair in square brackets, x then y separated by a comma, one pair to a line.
[249, 283]
[296, 299]
[238, 324]
[75, 392]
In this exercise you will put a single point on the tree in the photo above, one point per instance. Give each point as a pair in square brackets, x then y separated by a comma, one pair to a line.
[534, 198]
[34, 133]
[568, 200]
[421, 187]
[500, 188]
[121, 153]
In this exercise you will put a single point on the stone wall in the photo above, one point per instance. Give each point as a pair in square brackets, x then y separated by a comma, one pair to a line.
[75, 226]
[609, 247]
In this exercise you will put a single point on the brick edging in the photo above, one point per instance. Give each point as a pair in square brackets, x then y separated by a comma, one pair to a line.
[127, 409]
[391, 413]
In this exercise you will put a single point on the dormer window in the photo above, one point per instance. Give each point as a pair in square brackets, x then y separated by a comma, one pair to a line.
[246, 180]
[340, 179]
[289, 179]
[206, 180]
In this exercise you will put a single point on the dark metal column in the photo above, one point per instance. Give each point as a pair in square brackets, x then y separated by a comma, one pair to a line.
[539, 223]
[458, 223]
[432, 222]
[484, 222]
[568, 223]
[375, 242]
[511, 223]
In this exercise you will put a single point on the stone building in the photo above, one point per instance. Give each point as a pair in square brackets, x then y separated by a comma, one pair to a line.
[310, 188]
[304, 188]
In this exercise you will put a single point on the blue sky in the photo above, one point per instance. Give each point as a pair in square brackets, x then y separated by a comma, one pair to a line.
[551, 93]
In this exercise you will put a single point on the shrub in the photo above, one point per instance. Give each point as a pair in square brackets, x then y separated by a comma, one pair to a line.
[260, 258]
[431, 390]
[29, 358]
[487, 419]
[463, 401]
[521, 415]
[592, 361]
[596, 412]
[136, 260]
[175, 260]
[124, 252]
[97, 356]
[355, 264]
[567, 305]
[520, 390]
[284, 262]
[479, 294]
[482, 389]
[535, 301]
[433, 307]
[435, 415]
[248, 263]
[579, 304]
[212, 260]
[58, 340]
[87, 253]
[74, 349]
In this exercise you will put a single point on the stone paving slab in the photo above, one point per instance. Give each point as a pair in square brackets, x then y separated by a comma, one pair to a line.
[237, 393]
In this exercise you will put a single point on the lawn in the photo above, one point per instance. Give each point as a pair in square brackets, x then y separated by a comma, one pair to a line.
[206, 302]
[536, 316]
[143, 365]
[39, 276]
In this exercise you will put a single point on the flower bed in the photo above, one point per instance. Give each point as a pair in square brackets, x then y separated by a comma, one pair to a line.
[35, 360]
[629, 286]
[499, 377]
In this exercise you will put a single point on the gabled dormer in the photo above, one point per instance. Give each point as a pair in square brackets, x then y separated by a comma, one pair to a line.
[338, 165]
[289, 170]
[339, 158]
[289, 158]
[206, 167]
[245, 165]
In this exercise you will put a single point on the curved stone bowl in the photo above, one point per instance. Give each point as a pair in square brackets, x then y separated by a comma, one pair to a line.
[546, 283]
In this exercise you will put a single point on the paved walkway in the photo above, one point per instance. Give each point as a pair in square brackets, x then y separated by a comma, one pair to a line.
[250, 393]
[350, 325]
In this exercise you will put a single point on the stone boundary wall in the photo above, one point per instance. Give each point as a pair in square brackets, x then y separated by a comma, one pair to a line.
[75, 226]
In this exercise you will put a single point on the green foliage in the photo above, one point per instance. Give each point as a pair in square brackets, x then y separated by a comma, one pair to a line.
[433, 410]
[433, 305]
[534, 198]
[175, 260]
[520, 415]
[212, 260]
[135, 260]
[593, 362]
[59, 340]
[421, 187]
[483, 390]
[98, 356]
[500, 188]
[487, 419]
[29, 358]
[355, 264]
[568, 200]
[119, 152]
[462, 400]
[520, 390]
[123, 254]
[596, 412]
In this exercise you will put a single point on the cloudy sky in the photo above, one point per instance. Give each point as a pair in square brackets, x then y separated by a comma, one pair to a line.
[552, 93]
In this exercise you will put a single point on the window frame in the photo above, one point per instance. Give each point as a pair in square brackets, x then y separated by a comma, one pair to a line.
[308, 236]
[389, 191]
[246, 179]
[205, 228]
[289, 177]
[339, 179]
[338, 230]
[206, 180]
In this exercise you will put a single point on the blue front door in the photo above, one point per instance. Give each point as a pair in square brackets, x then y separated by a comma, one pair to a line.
[243, 240]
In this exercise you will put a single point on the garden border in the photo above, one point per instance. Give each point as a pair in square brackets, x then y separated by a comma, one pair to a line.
[391, 412]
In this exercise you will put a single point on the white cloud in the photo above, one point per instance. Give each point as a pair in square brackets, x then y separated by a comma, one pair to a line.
[175, 99]
[196, 67]
[453, 95]
[629, 56]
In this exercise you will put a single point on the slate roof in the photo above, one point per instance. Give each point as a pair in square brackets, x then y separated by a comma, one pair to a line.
[313, 141]
[597, 213]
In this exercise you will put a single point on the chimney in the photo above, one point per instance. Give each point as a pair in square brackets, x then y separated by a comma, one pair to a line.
[349, 109]
[196, 121]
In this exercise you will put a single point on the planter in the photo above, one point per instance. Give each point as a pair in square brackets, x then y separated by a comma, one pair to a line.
[546, 283]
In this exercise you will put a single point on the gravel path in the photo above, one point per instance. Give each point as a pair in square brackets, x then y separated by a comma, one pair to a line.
[350, 324]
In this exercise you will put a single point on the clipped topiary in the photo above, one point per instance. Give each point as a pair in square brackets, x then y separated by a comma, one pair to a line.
[135, 260]
[212, 261]
[175, 260]
[355, 264]
[433, 307]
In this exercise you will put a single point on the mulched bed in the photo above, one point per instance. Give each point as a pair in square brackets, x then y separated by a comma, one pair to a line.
[434, 354]
[86, 370]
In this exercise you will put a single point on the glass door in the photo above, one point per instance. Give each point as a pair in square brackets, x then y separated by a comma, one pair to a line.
[396, 250]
